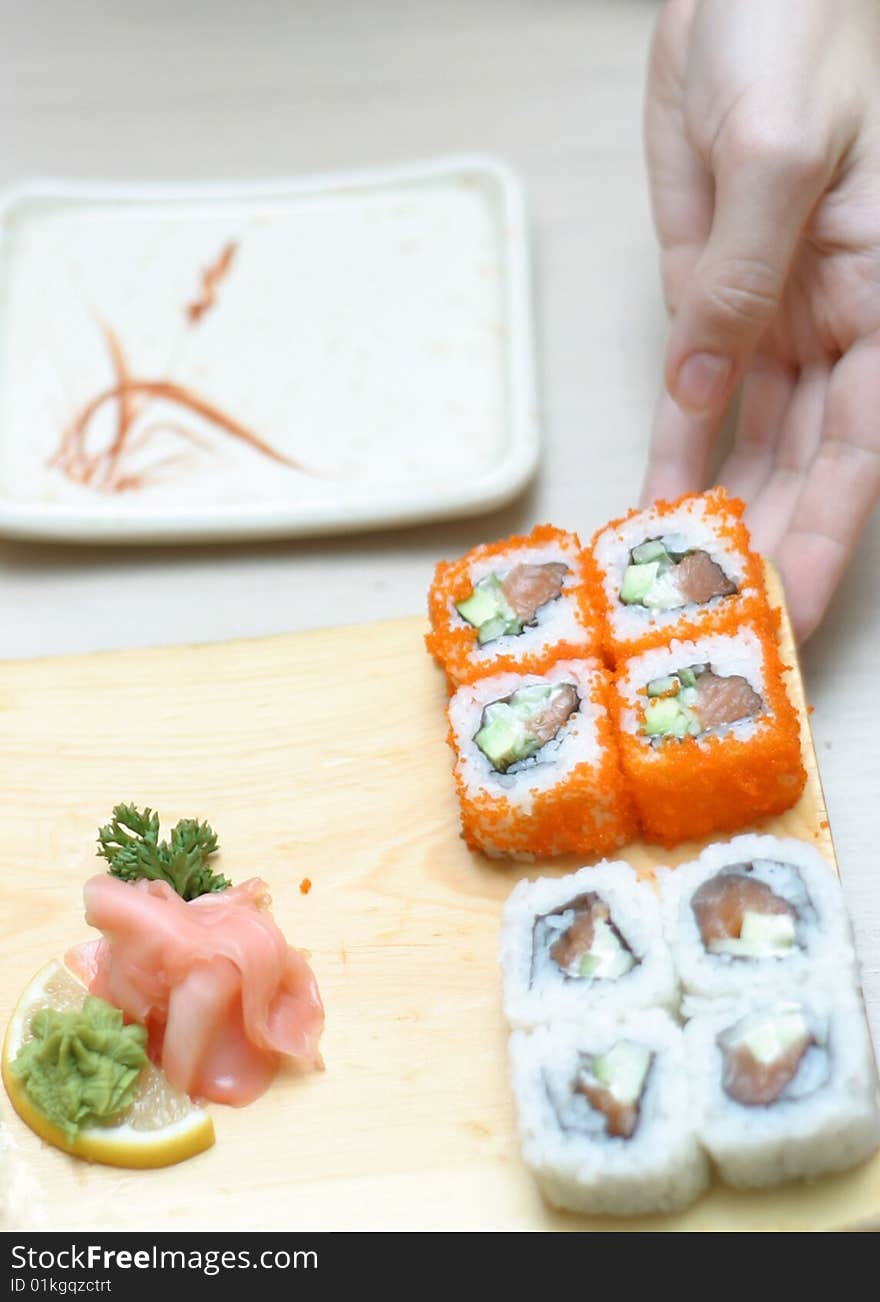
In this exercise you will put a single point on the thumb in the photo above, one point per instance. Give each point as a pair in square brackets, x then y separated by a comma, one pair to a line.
[763, 200]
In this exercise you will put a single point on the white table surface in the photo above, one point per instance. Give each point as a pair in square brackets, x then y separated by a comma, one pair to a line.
[201, 89]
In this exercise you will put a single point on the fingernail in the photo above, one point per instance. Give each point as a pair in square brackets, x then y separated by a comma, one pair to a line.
[701, 382]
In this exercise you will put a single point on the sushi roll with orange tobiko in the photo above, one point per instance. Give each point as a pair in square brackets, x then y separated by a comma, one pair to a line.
[516, 605]
[709, 738]
[537, 767]
[678, 569]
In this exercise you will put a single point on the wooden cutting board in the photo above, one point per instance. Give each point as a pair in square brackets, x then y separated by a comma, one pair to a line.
[317, 755]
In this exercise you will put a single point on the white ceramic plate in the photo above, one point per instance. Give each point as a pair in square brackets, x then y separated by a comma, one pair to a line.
[242, 360]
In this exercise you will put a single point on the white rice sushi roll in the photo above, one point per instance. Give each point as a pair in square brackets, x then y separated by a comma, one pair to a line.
[753, 914]
[785, 1088]
[591, 942]
[676, 570]
[605, 1118]
[537, 768]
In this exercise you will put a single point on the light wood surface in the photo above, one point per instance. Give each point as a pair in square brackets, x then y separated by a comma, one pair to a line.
[321, 755]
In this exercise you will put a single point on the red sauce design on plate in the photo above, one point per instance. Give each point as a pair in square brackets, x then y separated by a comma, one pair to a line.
[108, 469]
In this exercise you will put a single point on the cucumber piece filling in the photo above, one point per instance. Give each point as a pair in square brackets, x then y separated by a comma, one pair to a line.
[763, 935]
[694, 700]
[613, 1084]
[665, 574]
[763, 1053]
[581, 941]
[503, 606]
[516, 728]
[488, 611]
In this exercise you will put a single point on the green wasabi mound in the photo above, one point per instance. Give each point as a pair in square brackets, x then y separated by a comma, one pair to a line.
[81, 1068]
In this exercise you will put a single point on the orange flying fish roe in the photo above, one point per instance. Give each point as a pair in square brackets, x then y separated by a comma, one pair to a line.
[453, 642]
[305, 885]
[724, 614]
[719, 783]
[588, 812]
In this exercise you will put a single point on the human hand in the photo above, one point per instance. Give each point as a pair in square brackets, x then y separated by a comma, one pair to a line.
[762, 127]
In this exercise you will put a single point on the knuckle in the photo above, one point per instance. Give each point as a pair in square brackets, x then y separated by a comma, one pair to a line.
[742, 291]
[789, 150]
[799, 157]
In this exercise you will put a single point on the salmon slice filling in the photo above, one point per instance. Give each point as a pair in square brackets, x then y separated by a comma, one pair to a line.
[517, 727]
[529, 587]
[725, 700]
[756, 1083]
[740, 915]
[607, 1092]
[699, 579]
[505, 605]
[573, 945]
[581, 941]
[622, 1118]
[695, 700]
[763, 1054]
[553, 713]
[664, 575]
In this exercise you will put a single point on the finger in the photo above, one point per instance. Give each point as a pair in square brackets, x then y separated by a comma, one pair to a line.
[766, 393]
[764, 197]
[681, 185]
[839, 492]
[797, 443]
[678, 460]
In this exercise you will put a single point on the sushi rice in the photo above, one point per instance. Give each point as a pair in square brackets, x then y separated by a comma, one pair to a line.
[827, 1120]
[796, 873]
[809, 1102]
[576, 743]
[536, 990]
[708, 522]
[557, 621]
[580, 1166]
[563, 627]
[691, 733]
[729, 773]
[741, 656]
[567, 798]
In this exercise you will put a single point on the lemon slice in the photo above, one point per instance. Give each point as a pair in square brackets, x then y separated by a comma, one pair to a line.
[161, 1127]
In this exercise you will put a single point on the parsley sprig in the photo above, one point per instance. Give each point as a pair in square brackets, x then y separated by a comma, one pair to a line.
[130, 844]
